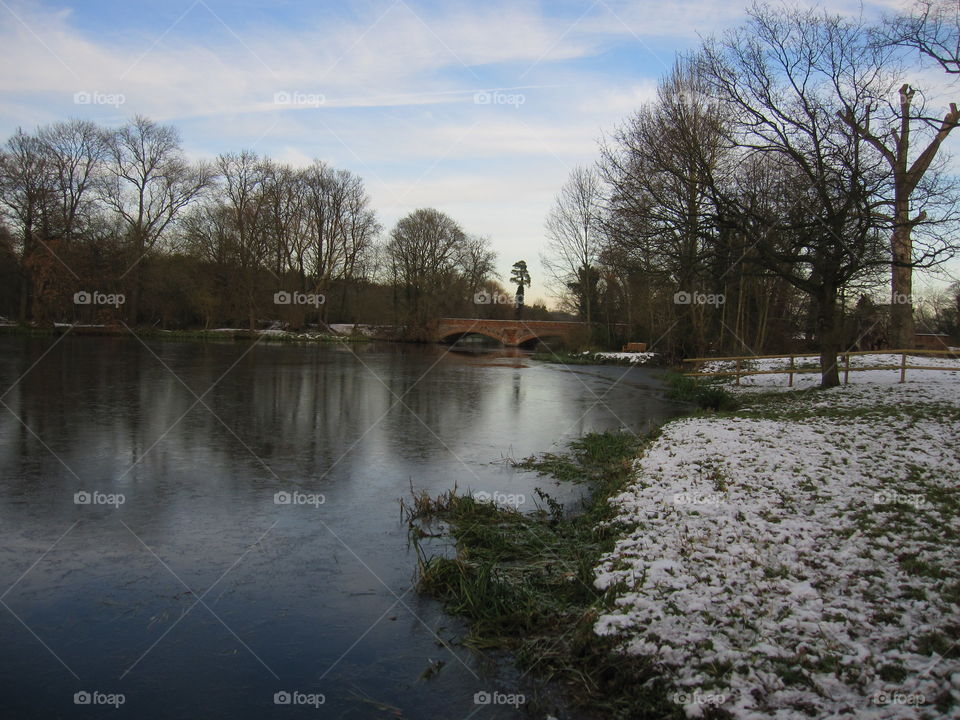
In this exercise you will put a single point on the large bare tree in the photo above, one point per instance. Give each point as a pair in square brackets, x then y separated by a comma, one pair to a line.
[147, 182]
[803, 189]
[573, 229]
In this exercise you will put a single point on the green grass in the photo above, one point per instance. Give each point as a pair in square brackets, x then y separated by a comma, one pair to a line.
[707, 395]
[525, 581]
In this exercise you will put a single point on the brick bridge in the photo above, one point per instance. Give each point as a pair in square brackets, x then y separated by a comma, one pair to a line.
[509, 332]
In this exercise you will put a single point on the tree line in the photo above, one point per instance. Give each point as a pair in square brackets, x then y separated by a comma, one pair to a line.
[117, 225]
[787, 172]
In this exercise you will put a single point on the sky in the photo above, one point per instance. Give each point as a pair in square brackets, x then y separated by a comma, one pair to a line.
[478, 109]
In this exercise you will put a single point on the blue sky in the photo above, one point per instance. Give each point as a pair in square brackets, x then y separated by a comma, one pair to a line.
[385, 88]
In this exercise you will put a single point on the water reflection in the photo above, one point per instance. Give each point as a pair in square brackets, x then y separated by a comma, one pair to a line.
[199, 596]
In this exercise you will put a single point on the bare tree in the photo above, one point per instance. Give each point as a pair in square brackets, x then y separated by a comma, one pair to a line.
[433, 264]
[574, 237]
[25, 196]
[895, 145]
[802, 189]
[75, 153]
[660, 214]
[477, 261]
[931, 27]
[147, 183]
[245, 200]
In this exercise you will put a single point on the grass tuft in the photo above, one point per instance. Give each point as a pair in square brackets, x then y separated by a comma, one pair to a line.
[525, 581]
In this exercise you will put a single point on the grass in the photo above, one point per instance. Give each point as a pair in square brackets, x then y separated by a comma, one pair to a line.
[707, 395]
[525, 581]
[566, 357]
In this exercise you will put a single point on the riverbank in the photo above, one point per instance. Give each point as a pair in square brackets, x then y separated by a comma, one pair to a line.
[269, 335]
[599, 357]
[525, 581]
[797, 556]
[792, 555]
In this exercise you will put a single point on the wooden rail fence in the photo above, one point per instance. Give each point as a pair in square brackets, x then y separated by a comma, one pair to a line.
[844, 357]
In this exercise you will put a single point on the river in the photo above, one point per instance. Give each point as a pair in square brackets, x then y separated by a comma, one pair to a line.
[195, 527]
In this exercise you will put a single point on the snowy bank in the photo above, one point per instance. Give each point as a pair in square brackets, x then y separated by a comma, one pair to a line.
[637, 358]
[800, 559]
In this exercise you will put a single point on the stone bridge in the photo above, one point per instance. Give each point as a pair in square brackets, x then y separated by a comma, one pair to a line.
[509, 332]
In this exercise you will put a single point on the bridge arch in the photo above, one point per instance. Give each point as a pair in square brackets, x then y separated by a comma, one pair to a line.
[530, 340]
[452, 337]
[510, 333]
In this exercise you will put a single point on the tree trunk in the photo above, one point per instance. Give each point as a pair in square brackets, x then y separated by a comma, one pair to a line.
[24, 309]
[828, 337]
[133, 302]
[901, 281]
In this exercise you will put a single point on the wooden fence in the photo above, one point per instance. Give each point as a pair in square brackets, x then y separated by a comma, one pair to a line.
[843, 359]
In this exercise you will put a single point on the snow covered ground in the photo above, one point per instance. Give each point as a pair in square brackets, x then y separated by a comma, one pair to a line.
[801, 558]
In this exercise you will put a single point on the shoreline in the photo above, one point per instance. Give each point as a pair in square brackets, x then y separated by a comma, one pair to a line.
[787, 552]
[562, 357]
[215, 334]
[525, 582]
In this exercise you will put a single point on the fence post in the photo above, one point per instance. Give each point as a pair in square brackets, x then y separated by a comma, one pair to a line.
[790, 382]
[846, 369]
[903, 367]
[738, 371]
